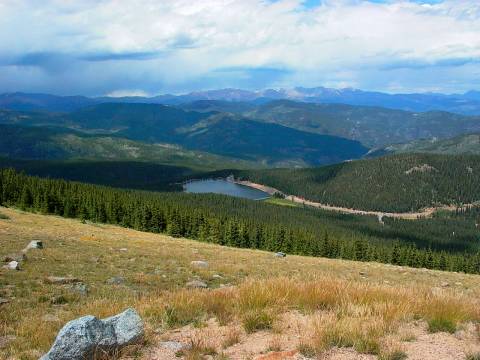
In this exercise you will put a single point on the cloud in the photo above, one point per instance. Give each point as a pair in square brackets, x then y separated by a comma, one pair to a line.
[98, 47]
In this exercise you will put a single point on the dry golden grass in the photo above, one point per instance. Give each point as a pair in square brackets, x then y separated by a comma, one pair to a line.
[346, 309]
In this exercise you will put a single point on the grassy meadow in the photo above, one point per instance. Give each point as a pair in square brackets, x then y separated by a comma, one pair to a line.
[364, 307]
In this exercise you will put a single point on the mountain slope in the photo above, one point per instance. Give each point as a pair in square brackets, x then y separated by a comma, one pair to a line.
[268, 143]
[463, 144]
[46, 143]
[217, 133]
[399, 183]
[372, 126]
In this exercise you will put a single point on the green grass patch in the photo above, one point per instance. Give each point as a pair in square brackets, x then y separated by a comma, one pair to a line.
[281, 202]
[256, 320]
[441, 325]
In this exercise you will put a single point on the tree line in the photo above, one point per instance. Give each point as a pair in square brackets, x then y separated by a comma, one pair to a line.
[225, 221]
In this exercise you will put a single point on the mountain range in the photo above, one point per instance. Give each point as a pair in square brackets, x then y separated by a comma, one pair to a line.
[229, 132]
[467, 103]
[222, 134]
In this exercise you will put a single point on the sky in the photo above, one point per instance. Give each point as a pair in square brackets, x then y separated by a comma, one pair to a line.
[148, 47]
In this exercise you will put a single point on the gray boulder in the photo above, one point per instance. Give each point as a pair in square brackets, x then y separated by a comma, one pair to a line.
[127, 326]
[82, 338]
[280, 254]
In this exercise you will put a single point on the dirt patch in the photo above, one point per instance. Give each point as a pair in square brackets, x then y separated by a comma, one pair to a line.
[282, 342]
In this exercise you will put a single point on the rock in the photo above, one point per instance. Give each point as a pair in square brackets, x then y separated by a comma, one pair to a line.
[12, 265]
[123, 249]
[280, 254]
[58, 300]
[35, 244]
[4, 301]
[50, 318]
[362, 273]
[444, 284]
[127, 326]
[61, 280]
[15, 257]
[174, 346]
[196, 284]
[217, 276]
[79, 288]
[6, 340]
[199, 264]
[116, 280]
[82, 338]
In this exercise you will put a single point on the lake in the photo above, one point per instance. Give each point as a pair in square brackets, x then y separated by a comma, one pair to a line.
[224, 187]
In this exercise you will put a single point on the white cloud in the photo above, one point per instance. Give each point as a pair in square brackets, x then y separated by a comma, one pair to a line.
[174, 43]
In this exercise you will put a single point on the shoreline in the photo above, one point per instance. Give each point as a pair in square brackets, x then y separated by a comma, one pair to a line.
[425, 213]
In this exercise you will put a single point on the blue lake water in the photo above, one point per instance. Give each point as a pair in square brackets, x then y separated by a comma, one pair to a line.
[224, 187]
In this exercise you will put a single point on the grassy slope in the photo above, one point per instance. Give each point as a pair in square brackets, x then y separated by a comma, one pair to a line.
[156, 268]
[392, 183]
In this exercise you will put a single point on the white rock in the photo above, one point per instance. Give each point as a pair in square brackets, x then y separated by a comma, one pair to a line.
[196, 284]
[199, 264]
[12, 265]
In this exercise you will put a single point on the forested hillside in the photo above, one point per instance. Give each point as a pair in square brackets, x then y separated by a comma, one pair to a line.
[463, 144]
[54, 143]
[400, 183]
[244, 223]
[217, 133]
[121, 174]
[372, 126]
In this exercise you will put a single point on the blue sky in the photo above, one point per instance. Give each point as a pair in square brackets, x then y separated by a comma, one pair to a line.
[147, 47]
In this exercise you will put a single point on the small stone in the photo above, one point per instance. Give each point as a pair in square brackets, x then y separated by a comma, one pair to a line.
[444, 284]
[280, 254]
[35, 244]
[61, 280]
[196, 284]
[15, 257]
[199, 264]
[116, 280]
[4, 301]
[50, 318]
[174, 346]
[58, 300]
[123, 249]
[12, 265]
[79, 288]
[6, 340]
[217, 276]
